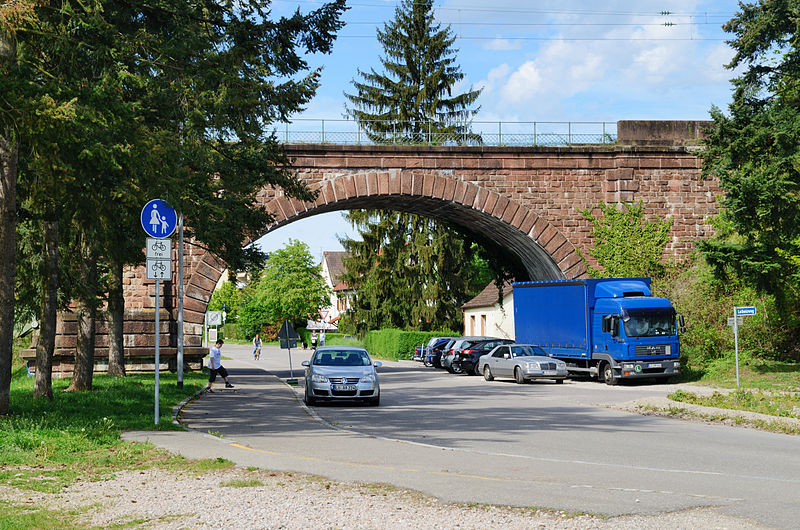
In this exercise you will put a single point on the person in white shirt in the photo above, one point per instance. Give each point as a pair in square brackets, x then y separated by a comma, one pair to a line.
[322, 338]
[215, 366]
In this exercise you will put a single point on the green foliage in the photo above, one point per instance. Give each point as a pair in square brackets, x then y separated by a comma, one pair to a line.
[399, 344]
[706, 303]
[412, 98]
[773, 404]
[289, 287]
[755, 152]
[407, 271]
[626, 244]
[227, 295]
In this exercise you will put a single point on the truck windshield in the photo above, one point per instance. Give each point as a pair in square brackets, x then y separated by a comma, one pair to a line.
[650, 323]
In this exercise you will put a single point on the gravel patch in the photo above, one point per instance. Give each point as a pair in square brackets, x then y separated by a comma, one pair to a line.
[246, 499]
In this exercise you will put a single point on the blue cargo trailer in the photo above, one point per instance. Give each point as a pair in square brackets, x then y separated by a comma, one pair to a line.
[610, 328]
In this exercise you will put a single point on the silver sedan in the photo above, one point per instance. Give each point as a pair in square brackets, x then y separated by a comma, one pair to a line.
[341, 373]
[523, 362]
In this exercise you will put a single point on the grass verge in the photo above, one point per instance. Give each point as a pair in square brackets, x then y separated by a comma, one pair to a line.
[781, 404]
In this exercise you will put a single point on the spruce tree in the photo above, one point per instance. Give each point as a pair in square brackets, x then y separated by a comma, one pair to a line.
[412, 99]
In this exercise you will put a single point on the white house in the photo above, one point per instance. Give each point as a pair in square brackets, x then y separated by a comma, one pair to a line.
[483, 315]
[341, 294]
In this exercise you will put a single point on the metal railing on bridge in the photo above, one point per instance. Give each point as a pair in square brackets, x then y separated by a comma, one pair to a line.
[488, 133]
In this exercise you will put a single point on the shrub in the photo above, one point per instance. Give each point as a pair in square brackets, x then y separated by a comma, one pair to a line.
[399, 344]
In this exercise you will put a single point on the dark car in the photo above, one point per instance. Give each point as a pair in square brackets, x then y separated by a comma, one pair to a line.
[433, 352]
[466, 359]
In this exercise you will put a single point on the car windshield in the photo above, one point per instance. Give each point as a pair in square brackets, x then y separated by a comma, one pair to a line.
[652, 323]
[526, 351]
[341, 358]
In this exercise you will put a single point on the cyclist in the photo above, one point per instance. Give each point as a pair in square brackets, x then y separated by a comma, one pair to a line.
[256, 347]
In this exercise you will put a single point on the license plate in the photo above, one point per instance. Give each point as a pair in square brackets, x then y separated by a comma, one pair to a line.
[654, 365]
[345, 387]
[550, 372]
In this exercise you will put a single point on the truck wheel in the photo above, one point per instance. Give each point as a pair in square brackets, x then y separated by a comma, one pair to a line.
[518, 377]
[608, 374]
[487, 373]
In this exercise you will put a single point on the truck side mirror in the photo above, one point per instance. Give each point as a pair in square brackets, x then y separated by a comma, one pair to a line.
[606, 327]
[615, 327]
[682, 323]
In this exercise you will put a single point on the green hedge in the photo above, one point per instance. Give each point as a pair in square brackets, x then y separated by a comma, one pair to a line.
[399, 344]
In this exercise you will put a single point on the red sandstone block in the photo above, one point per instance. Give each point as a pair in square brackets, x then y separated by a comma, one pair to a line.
[460, 192]
[514, 163]
[372, 183]
[628, 185]
[577, 270]
[526, 225]
[547, 234]
[383, 183]
[491, 201]
[538, 227]
[360, 182]
[439, 184]
[563, 251]
[449, 189]
[417, 182]
[470, 194]
[338, 189]
[329, 195]
[510, 211]
[448, 163]
[193, 317]
[406, 182]
[427, 185]
[394, 182]
[192, 304]
[500, 207]
[480, 198]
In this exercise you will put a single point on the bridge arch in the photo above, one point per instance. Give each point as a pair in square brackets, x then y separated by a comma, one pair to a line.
[544, 251]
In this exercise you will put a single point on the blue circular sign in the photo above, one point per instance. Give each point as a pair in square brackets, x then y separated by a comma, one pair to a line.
[159, 219]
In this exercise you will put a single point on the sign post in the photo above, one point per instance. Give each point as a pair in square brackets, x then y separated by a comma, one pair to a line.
[288, 337]
[158, 221]
[736, 321]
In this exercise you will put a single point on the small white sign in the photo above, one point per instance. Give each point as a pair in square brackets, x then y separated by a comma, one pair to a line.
[159, 248]
[739, 321]
[214, 318]
[212, 335]
[159, 269]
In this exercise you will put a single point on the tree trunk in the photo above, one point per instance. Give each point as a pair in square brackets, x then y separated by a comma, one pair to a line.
[8, 251]
[43, 383]
[86, 309]
[116, 314]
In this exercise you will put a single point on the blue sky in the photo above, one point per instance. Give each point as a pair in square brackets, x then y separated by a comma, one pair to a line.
[543, 61]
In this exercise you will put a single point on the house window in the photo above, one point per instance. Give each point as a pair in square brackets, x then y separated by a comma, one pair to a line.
[483, 324]
[471, 325]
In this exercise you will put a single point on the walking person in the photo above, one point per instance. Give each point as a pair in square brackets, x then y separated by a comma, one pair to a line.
[256, 347]
[322, 338]
[215, 366]
[314, 339]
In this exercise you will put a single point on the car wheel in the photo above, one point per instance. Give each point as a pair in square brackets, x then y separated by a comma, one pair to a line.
[455, 369]
[307, 399]
[608, 374]
[487, 373]
[476, 370]
[374, 402]
[559, 381]
[427, 362]
[518, 377]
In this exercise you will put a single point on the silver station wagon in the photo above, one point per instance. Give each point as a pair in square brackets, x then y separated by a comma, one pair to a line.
[337, 373]
[523, 362]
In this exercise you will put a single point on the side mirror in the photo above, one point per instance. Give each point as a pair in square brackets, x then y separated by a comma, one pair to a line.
[506, 356]
[306, 363]
[377, 364]
[606, 325]
[615, 327]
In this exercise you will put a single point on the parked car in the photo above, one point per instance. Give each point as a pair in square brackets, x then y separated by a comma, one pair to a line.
[421, 353]
[450, 355]
[341, 373]
[435, 356]
[433, 352]
[523, 362]
[466, 359]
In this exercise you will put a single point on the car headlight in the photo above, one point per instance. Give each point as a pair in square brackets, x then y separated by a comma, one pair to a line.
[318, 378]
[531, 366]
[561, 366]
[369, 378]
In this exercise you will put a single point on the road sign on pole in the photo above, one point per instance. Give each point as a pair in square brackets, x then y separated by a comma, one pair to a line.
[745, 311]
[158, 219]
[159, 269]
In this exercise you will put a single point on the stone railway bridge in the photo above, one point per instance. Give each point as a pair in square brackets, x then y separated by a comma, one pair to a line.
[528, 199]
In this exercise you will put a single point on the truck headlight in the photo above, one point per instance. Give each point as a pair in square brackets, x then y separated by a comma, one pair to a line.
[318, 378]
[627, 366]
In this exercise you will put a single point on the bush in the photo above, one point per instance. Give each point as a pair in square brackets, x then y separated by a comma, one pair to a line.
[399, 344]
[706, 303]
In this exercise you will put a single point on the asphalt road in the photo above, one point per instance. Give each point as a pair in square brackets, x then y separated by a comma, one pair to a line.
[463, 439]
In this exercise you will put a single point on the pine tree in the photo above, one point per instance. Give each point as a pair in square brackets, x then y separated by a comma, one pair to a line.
[412, 99]
[408, 272]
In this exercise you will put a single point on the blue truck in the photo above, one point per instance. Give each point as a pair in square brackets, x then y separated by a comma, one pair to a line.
[609, 328]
